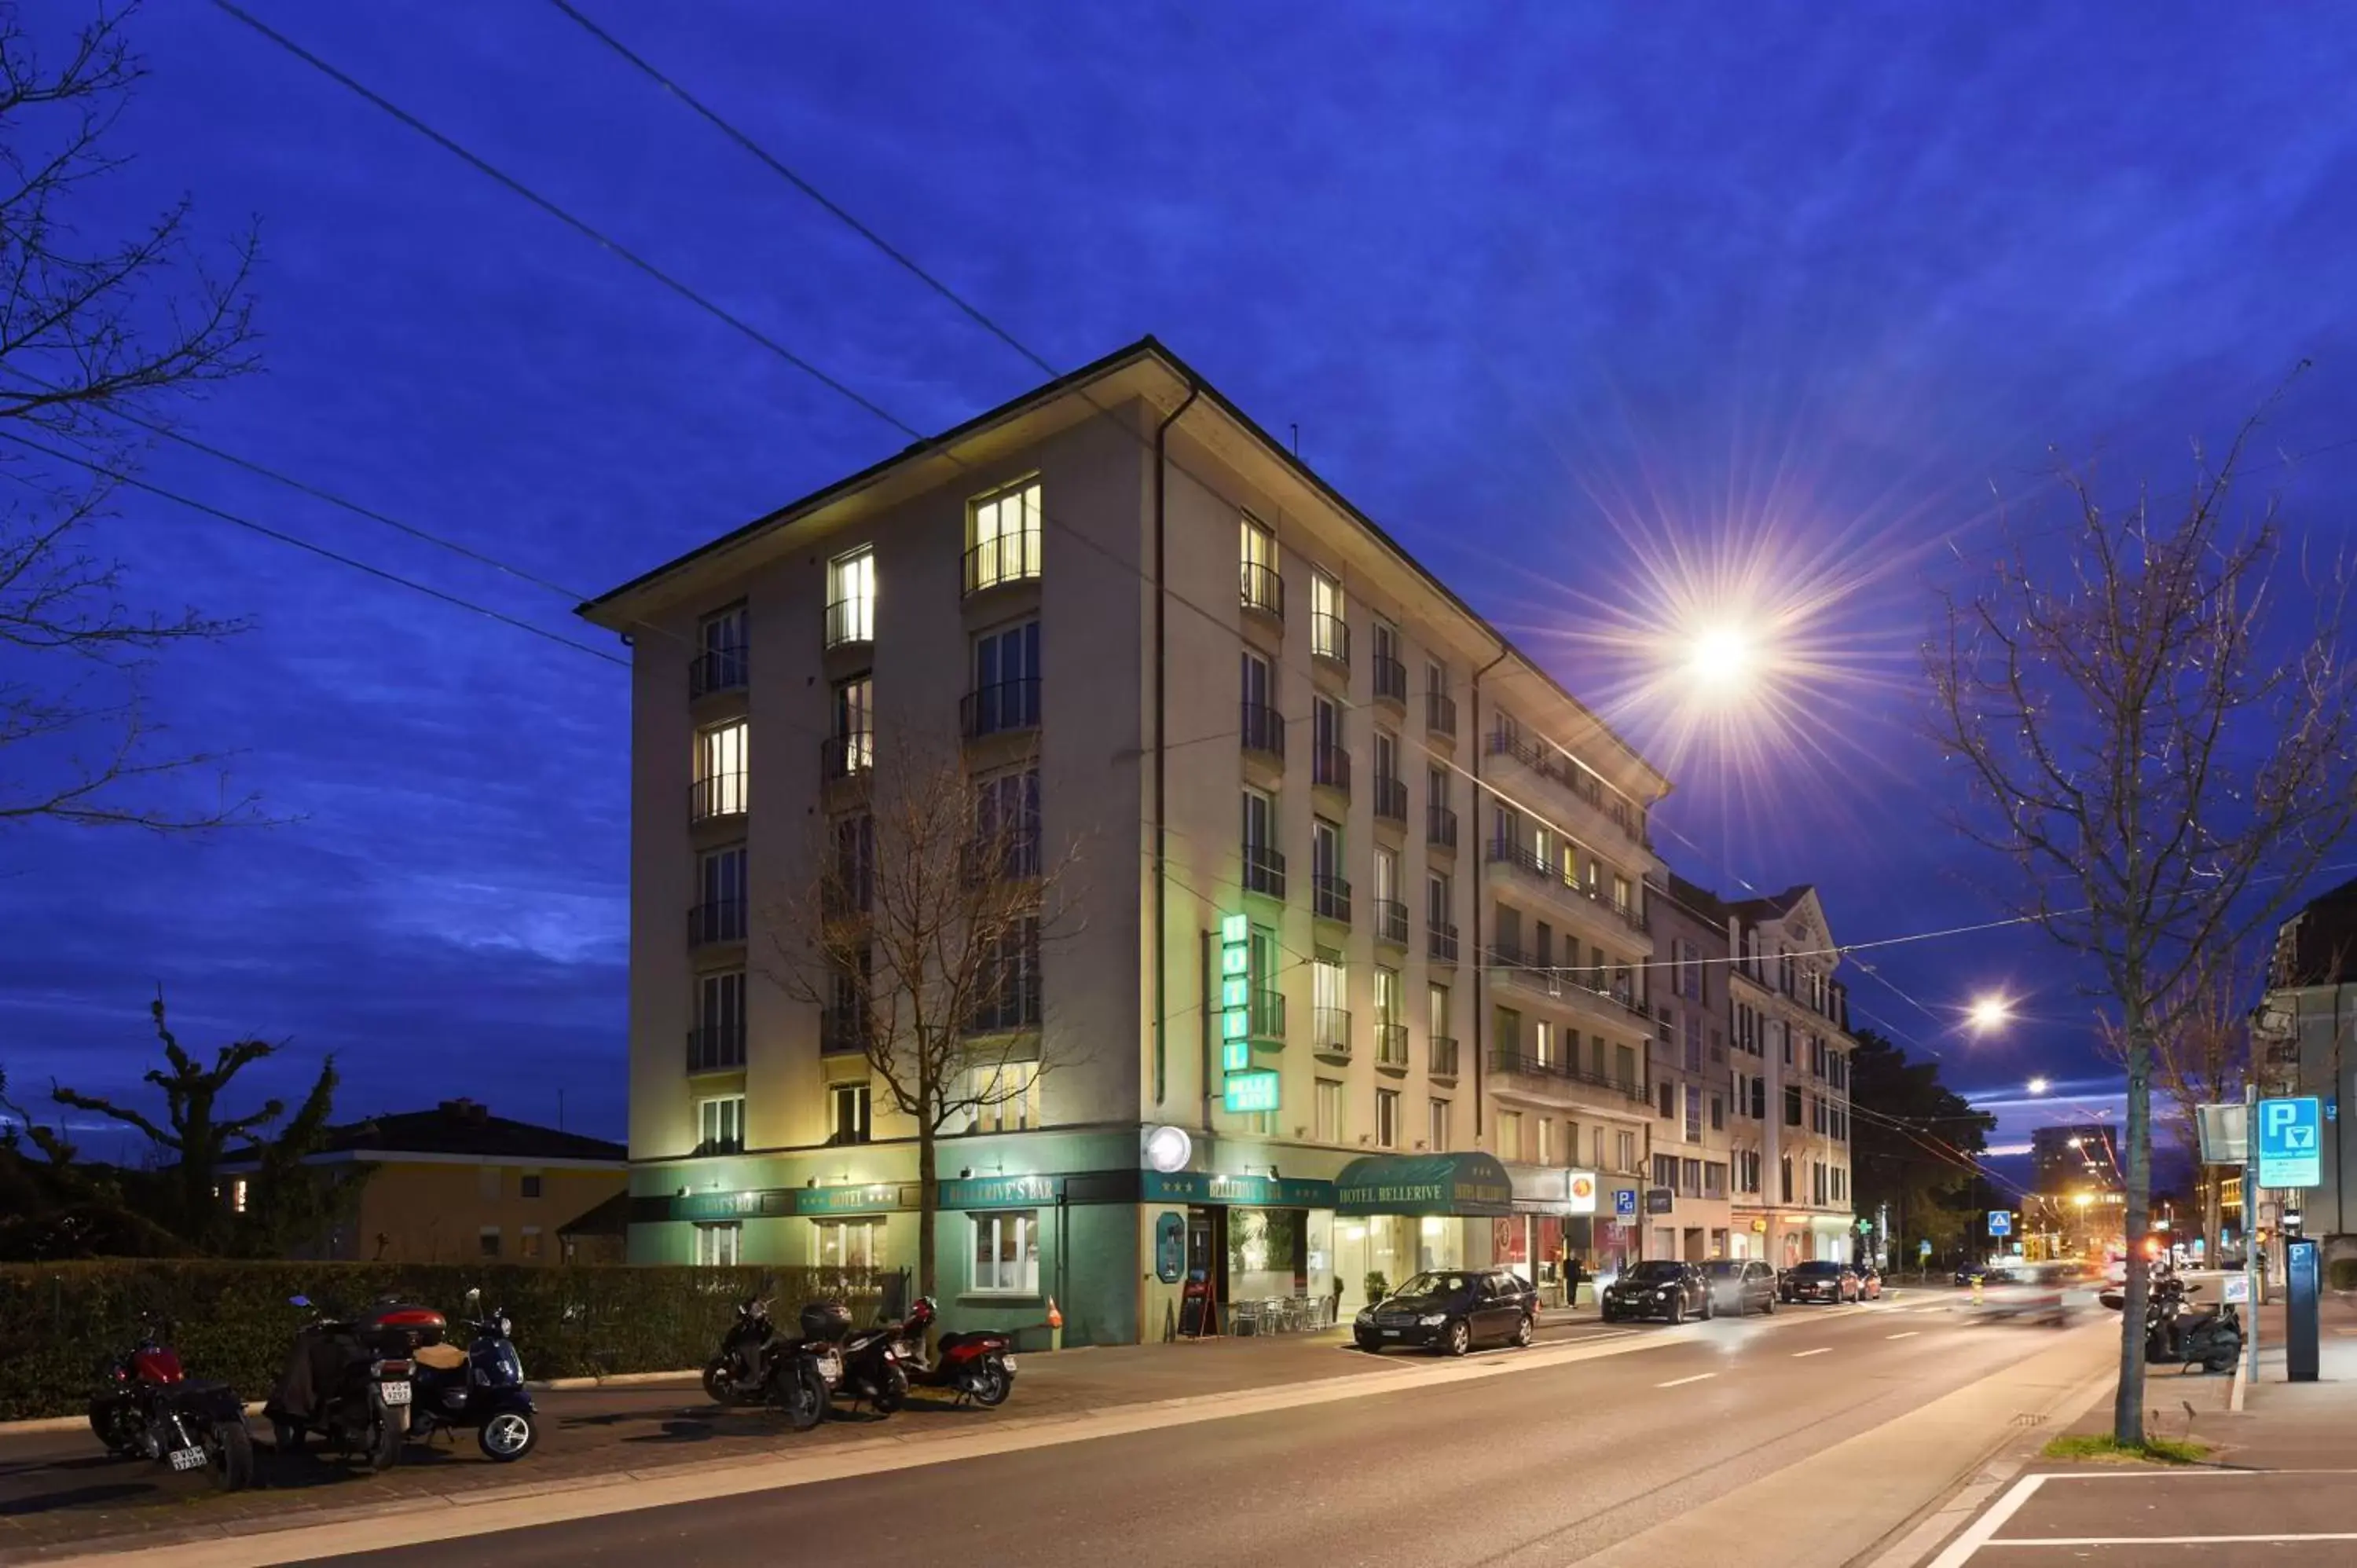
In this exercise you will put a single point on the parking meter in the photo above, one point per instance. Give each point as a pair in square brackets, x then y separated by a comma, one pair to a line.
[2302, 1261]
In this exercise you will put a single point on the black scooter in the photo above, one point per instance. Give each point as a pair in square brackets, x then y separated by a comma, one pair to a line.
[802, 1371]
[479, 1388]
[2177, 1336]
[739, 1374]
[348, 1379]
[872, 1374]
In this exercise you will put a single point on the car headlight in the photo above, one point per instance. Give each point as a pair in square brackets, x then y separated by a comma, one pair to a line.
[1367, 1316]
[1433, 1319]
[1662, 1291]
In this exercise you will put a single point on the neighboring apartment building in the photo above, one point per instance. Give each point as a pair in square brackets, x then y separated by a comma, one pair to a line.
[1689, 1200]
[2305, 1037]
[1389, 1014]
[456, 1183]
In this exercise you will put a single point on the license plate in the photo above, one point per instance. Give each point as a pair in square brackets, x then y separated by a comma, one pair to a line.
[829, 1367]
[1391, 1333]
[188, 1459]
[1008, 1362]
[394, 1393]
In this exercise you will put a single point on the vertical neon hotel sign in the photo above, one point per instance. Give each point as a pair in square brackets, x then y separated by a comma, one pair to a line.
[1246, 1088]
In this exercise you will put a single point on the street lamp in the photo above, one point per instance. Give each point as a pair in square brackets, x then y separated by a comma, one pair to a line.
[1991, 1012]
[1723, 660]
[2039, 1086]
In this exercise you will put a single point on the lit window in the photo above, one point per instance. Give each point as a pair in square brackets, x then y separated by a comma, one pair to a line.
[718, 1246]
[1387, 1118]
[720, 754]
[848, 1243]
[1439, 1137]
[1003, 537]
[1510, 1134]
[848, 1113]
[1005, 1097]
[853, 737]
[850, 598]
[1007, 1253]
[528, 1244]
[721, 1126]
[1330, 634]
[1263, 589]
[1330, 1111]
[237, 1195]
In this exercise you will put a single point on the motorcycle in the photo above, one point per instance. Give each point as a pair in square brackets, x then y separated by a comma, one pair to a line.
[739, 1374]
[480, 1387]
[980, 1366]
[871, 1367]
[348, 1379]
[802, 1373]
[2176, 1336]
[147, 1408]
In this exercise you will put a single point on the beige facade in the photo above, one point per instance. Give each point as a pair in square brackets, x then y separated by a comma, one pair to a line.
[1696, 1119]
[1253, 713]
[1790, 1057]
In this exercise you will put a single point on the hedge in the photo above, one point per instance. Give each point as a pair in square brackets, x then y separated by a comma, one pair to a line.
[231, 1321]
[2342, 1273]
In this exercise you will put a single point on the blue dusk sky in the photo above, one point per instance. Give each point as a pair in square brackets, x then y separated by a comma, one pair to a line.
[1583, 303]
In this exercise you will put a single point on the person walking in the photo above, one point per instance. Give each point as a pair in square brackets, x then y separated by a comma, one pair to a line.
[1570, 1277]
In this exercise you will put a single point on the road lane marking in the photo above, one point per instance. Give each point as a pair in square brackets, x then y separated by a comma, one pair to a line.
[1818, 1351]
[1681, 1383]
[1908, 1335]
[2161, 1539]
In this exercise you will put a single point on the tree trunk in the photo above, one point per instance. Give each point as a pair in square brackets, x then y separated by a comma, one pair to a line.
[929, 1194]
[2213, 1217]
[2127, 1406]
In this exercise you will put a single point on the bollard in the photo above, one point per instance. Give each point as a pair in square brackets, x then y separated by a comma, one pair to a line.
[1976, 1290]
[1055, 1325]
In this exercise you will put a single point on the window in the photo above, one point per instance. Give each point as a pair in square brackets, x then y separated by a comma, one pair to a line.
[528, 1185]
[1008, 984]
[1263, 729]
[720, 912]
[847, 1243]
[1546, 1140]
[1325, 850]
[1759, 1100]
[1747, 1170]
[1330, 756]
[528, 1244]
[717, 1041]
[1785, 1176]
[1625, 1147]
[1390, 673]
[1693, 1041]
[854, 740]
[1690, 1176]
[1437, 1135]
[850, 598]
[1330, 634]
[1718, 1113]
[1436, 786]
[1665, 1171]
[1510, 1134]
[1387, 997]
[1005, 680]
[1507, 1025]
[1007, 1253]
[848, 1113]
[1330, 1111]
[1007, 825]
[1624, 1066]
[1439, 901]
[1542, 1042]
[720, 664]
[1006, 1098]
[1792, 1105]
[1263, 589]
[1387, 1118]
[720, 1125]
[1002, 536]
[720, 770]
[1259, 822]
[1667, 1097]
[718, 1246]
[1386, 758]
[487, 1242]
[1693, 1114]
[1621, 894]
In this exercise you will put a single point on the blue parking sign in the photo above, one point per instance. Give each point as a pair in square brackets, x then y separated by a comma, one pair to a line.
[1624, 1201]
[2292, 1142]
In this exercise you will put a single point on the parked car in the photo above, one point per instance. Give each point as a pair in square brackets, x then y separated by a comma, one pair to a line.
[1452, 1310]
[1740, 1285]
[1819, 1279]
[1658, 1288]
[1869, 1282]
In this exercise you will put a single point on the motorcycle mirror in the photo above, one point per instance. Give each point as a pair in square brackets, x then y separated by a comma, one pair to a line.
[474, 1297]
[298, 1301]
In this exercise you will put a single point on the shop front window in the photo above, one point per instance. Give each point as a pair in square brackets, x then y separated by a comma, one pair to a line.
[1007, 1253]
[1267, 1253]
[718, 1246]
[849, 1244]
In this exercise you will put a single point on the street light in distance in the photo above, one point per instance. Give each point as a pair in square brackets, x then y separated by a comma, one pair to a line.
[2040, 1085]
[1989, 1013]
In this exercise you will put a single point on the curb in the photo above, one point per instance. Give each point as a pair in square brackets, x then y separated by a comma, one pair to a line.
[41, 1424]
[2241, 1385]
[76, 1423]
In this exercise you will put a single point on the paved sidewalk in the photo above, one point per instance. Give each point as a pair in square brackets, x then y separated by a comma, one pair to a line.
[59, 1494]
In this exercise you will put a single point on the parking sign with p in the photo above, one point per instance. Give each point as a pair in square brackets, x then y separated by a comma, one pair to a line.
[2291, 1138]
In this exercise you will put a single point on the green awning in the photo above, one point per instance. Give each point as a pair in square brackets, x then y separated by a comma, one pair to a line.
[1472, 1183]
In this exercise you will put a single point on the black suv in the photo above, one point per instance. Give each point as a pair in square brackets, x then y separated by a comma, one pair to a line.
[1658, 1288]
[1452, 1310]
[1739, 1285]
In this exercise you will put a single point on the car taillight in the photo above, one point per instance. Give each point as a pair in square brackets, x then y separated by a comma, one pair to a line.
[393, 1368]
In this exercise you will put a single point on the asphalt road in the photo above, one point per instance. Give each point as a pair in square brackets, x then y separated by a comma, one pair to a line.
[1542, 1467]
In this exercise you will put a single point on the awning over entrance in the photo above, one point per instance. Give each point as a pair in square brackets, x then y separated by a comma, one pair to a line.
[1472, 1184]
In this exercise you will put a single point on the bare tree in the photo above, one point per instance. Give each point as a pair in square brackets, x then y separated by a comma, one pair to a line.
[2158, 740]
[2201, 1055]
[94, 333]
[920, 938]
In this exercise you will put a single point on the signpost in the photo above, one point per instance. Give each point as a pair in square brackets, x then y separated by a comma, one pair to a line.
[1247, 1087]
[2000, 1222]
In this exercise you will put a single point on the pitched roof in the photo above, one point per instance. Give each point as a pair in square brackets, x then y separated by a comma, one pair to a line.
[461, 1128]
[1773, 907]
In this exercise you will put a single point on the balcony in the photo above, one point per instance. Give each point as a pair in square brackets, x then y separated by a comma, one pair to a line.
[1391, 921]
[722, 920]
[1330, 898]
[1004, 708]
[1568, 983]
[1264, 590]
[1329, 768]
[1440, 714]
[1441, 827]
[1440, 1058]
[1264, 731]
[843, 1031]
[1391, 1047]
[850, 622]
[1263, 871]
[1391, 681]
[716, 795]
[1440, 943]
[1527, 863]
[1559, 768]
[849, 755]
[1330, 638]
[1330, 1032]
[716, 670]
[1547, 1075]
[1268, 1023]
[1012, 1006]
[1391, 800]
[715, 1047]
[1002, 561]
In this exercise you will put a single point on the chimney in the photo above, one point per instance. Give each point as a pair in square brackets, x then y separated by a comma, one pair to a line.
[467, 1110]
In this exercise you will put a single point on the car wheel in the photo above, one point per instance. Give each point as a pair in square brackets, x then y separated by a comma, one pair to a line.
[1609, 1313]
[1677, 1310]
[1457, 1338]
[1769, 1306]
[1709, 1307]
[1523, 1332]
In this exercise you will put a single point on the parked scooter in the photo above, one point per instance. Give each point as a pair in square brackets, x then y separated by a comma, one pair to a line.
[979, 1366]
[480, 1388]
[871, 1365]
[739, 1374]
[2179, 1336]
[147, 1408]
[805, 1370]
[348, 1379]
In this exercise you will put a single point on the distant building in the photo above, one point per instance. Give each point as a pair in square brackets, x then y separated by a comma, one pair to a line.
[2304, 1039]
[457, 1182]
[2084, 1158]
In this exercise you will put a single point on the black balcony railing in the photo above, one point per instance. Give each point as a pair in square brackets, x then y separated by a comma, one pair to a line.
[1390, 1045]
[1264, 730]
[1440, 713]
[843, 1031]
[720, 921]
[716, 795]
[1267, 1014]
[1558, 767]
[1440, 827]
[1330, 898]
[851, 621]
[846, 756]
[1441, 1057]
[1521, 1065]
[1568, 979]
[715, 1047]
[1391, 800]
[1002, 559]
[1523, 858]
[1391, 921]
[1391, 680]
[1013, 1006]
[1329, 1031]
[1330, 766]
[1264, 590]
[1329, 637]
[1002, 708]
[1263, 871]
[717, 670]
[1440, 943]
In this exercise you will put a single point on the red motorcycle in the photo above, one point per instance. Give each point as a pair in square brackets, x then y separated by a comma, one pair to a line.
[980, 1366]
[147, 1408]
